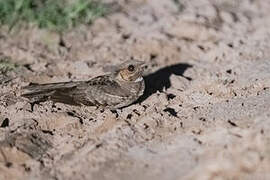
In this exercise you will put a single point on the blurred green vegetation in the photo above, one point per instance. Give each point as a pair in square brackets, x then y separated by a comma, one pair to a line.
[55, 15]
[6, 65]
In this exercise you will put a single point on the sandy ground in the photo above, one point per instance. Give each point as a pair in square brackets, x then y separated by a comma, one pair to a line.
[204, 114]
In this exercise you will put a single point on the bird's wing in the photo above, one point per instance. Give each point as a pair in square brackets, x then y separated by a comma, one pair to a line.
[108, 85]
[101, 90]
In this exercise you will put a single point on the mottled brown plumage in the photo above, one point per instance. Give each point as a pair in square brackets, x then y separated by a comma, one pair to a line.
[112, 91]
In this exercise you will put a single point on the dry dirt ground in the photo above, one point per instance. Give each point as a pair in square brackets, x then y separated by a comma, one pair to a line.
[204, 114]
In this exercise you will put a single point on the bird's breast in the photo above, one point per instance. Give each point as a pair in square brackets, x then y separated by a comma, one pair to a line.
[137, 88]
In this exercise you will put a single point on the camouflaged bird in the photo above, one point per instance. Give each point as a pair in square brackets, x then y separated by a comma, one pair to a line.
[115, 90]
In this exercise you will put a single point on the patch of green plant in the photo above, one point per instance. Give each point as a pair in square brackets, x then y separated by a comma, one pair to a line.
[179, 5]
[6, 65]
[56, 15]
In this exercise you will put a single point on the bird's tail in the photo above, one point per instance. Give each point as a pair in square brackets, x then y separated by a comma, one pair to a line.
[43, 92]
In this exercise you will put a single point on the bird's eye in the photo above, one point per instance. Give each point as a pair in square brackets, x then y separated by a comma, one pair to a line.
[131, 68]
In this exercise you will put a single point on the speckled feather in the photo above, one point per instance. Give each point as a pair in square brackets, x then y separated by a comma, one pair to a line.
[111, 91]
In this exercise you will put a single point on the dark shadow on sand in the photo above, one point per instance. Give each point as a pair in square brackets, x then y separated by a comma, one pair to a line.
[160, 79]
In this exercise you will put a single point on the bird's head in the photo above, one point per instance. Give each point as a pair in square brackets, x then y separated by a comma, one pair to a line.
[131, 71]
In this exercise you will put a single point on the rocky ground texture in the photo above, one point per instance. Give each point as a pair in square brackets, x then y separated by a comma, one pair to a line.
[204, 114]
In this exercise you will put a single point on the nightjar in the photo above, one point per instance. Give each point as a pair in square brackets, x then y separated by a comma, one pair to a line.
[118, 89]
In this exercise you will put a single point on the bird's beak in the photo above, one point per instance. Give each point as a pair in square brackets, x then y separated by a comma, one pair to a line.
[140, 63]
[144, 66]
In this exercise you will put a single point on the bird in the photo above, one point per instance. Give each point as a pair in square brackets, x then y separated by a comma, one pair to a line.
[115, 90]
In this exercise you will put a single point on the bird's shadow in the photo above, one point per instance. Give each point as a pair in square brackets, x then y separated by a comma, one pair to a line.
[160, 79]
